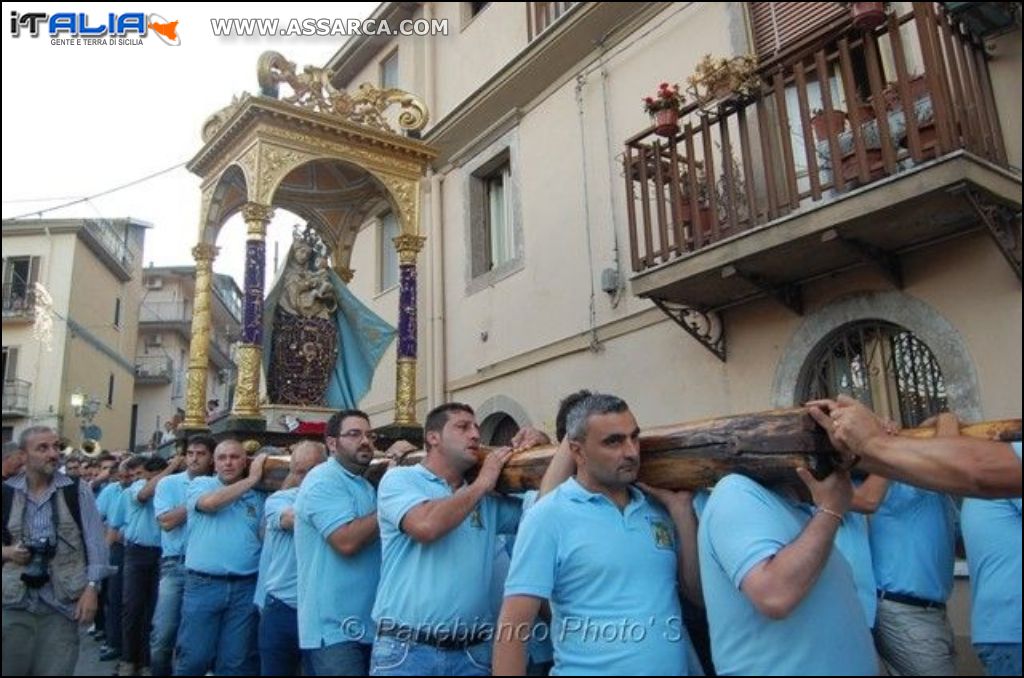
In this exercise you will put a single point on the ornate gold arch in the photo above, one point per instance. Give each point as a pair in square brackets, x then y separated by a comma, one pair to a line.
[258, 153]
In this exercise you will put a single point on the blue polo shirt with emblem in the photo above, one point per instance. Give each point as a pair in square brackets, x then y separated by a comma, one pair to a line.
[992, 538]
[278, 573]
[743, 525]
[611, 577]
[170, 494]
[141, 527]
[913, 542]
[225, 542]
[335, 592]
[442, 586]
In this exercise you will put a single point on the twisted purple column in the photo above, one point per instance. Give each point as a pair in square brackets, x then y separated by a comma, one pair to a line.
[255, 264]
[407, 311]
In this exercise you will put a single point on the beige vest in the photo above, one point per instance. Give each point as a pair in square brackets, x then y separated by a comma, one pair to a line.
[68, 565]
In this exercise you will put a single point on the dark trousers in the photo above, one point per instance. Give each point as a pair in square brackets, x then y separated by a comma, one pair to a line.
[113, 594]
[141, 583]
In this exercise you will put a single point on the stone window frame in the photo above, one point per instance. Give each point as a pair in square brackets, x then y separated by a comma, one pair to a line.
[931, 327]
[477, 171]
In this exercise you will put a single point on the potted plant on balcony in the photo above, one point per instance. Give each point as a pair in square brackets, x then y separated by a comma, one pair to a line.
[821, 123]
[718, 79]
[867, 15]
[664, 107]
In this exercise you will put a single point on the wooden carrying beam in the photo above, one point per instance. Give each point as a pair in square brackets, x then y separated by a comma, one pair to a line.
[766, 446]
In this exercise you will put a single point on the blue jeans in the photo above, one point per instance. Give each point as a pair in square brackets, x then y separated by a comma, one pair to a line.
[279, 639]
[166, 616]
[1000, 659]
[348, 658]
[218, 627]
[394, 657]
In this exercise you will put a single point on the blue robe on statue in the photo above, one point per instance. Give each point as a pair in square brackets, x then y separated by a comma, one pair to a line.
[363, 336]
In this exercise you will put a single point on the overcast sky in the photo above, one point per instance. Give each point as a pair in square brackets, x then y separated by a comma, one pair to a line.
[80, 120]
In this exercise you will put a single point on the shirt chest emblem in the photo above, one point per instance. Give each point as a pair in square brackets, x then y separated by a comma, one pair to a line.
[661, 533]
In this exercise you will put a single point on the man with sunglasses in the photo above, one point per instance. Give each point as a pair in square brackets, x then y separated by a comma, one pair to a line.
[338, 551]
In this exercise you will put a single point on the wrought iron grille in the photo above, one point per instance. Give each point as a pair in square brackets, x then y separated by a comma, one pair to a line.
[881, 364]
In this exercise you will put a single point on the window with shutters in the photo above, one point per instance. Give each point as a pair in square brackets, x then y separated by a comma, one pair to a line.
[20, 275]
[781, 25]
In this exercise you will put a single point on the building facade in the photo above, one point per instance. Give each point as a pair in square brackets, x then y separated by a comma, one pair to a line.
[562, 254]
[161, 359]
[71, 293]
[846, 222]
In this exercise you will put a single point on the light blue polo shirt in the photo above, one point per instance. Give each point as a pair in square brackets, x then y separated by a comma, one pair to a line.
[335, 592]
[742, 525]
[278, 575]
[227, 541]
[852, 541]
[611, 577]
[992, 537]
[109, 496]
[142, 528]
[170, 494]
[913, 536]
[458, 566]
[117, 516]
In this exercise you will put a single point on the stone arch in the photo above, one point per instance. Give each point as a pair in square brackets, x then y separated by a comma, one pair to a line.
[941, 337]
[500, 405]
[222, 200]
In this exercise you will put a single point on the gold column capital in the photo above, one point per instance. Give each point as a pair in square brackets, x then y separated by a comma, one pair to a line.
[408, 246]
[205, 253]
[256, 217]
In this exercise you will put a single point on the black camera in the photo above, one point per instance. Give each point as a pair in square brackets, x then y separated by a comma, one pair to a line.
[37, 572]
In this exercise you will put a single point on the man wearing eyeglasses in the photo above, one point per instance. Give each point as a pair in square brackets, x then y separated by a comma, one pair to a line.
[338, 552]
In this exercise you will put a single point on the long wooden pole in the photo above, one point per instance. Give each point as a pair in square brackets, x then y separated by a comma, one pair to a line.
[767, 446]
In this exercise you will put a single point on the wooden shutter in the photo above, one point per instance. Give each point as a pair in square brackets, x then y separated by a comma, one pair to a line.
[10, 363]
[777, 25]
[33, 272]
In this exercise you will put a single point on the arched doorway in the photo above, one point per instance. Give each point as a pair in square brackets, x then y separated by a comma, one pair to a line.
[880, 363]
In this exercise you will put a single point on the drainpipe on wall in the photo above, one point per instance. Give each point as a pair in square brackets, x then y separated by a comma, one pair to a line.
[438, 378]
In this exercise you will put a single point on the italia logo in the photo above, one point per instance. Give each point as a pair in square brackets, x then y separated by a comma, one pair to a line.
[82, 28]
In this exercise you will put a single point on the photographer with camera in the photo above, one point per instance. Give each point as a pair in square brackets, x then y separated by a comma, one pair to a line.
[54, 555]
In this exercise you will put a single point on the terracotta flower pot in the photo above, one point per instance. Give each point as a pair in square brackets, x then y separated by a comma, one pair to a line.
[820, 123]
[867, 15]
[666, 122]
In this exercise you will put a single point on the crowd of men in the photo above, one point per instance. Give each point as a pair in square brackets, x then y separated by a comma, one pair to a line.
[432, 572]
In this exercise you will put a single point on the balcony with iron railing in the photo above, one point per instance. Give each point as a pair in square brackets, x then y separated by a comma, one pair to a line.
[19, 301]
[109, 242]
[17, 393]
[165, 313]
[755, 195]
[153, 369]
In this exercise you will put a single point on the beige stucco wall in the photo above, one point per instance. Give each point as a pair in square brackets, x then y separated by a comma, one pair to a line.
[39, 364]
[92, 301]
[1004, 66]
[667, 377]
